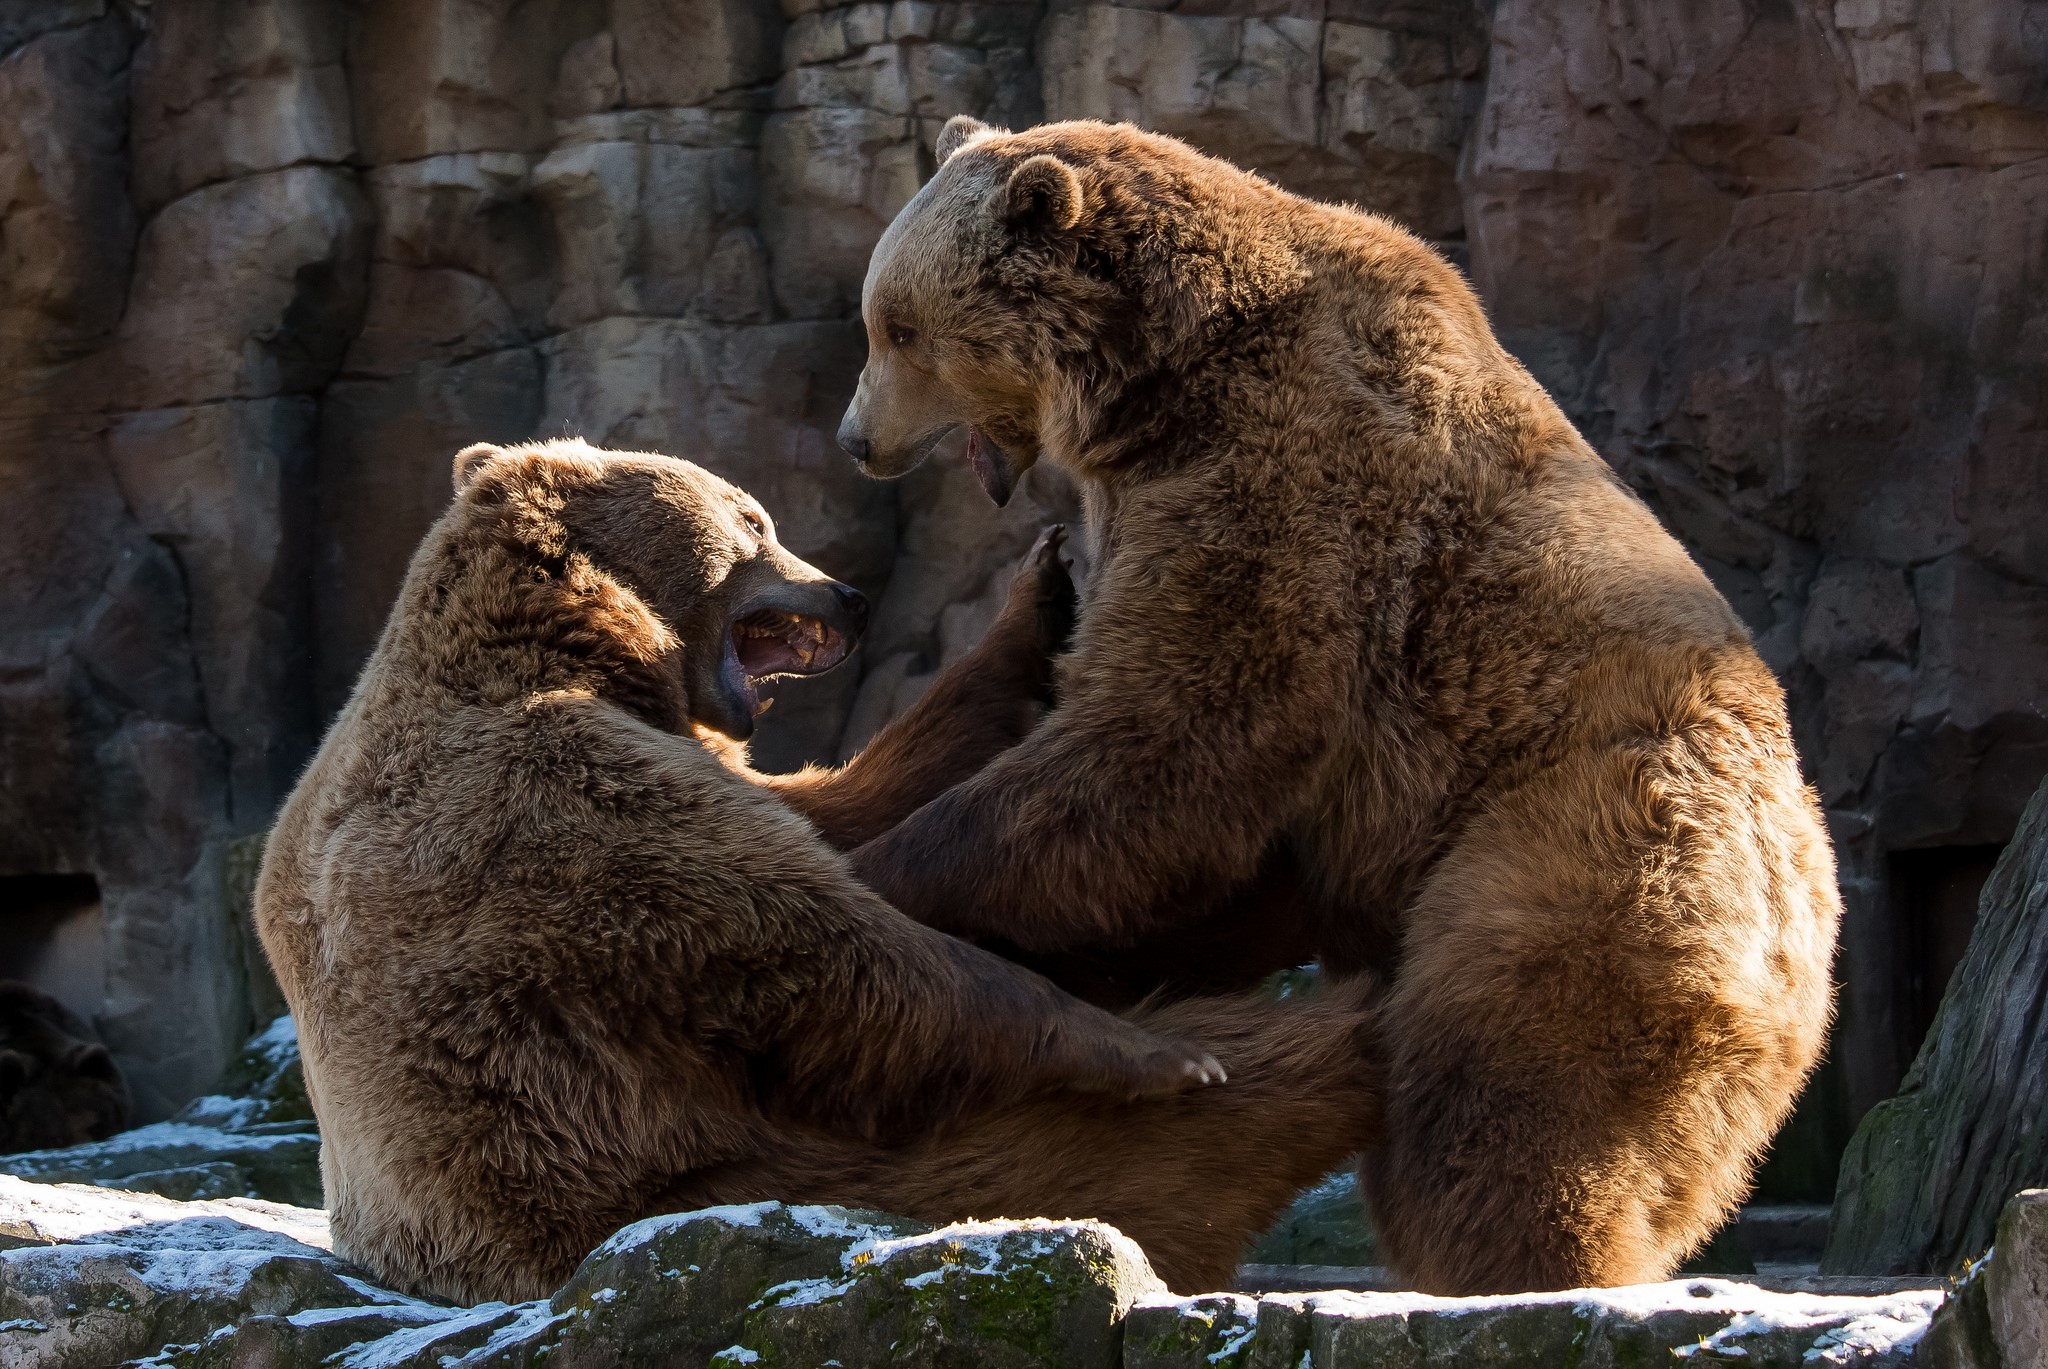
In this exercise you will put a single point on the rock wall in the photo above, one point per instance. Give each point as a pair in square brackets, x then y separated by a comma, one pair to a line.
[266, 264]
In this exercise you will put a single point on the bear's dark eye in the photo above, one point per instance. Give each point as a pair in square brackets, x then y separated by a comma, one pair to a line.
[756, 524]
[899, 336]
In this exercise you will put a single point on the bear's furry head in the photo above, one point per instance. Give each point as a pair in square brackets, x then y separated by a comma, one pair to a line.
[1038, 275]
[647, 571]
[58, 1085]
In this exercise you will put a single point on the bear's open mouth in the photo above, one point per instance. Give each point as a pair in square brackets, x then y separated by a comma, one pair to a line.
[773, 641]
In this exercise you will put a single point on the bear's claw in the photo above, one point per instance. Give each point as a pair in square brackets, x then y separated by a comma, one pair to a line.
[1177, 1070]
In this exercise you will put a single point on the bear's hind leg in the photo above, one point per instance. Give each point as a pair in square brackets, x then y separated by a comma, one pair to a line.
[1517, 1160]
[1601, 1017]
[1191, 1178]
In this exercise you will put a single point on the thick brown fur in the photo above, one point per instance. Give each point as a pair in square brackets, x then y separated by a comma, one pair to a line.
[559, 958]
[1368, 608]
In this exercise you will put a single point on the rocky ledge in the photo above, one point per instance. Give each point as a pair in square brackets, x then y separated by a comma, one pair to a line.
[91, 1276]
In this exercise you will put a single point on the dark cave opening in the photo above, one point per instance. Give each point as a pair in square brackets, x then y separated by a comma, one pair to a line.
[1934, 892]
[52, 935]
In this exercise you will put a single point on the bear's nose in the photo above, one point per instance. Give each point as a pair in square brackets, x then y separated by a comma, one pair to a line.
[855, 603]
[851, 442]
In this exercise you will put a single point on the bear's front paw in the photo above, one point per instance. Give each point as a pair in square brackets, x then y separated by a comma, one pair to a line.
[1042, 608]
[1150, 1067]
[1178, 1069]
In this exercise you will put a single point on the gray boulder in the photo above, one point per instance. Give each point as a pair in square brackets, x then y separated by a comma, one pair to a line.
[990, 1294]
[1997, 1317]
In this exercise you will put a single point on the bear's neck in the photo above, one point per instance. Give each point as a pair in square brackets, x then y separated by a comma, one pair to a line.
[487, 620]
[1358, 341]
[1143, 428]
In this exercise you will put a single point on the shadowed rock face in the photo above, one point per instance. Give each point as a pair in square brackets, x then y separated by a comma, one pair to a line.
[254, 1139]
[1929, 1170]
[265, 267]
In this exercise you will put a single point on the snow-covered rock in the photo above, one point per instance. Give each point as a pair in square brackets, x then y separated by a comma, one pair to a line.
[181, 1160]
[993, 1294]
[97, 1278]
[1997, 1317]
[61, 1214]
[94, 1277]
[1694, 1321]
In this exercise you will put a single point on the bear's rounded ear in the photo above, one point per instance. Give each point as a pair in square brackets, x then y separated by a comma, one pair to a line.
[1043, 192]
[471, 459]
[960, 130]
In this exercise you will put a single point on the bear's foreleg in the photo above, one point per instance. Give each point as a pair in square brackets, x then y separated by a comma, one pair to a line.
[892, 1028]
[1178, 753]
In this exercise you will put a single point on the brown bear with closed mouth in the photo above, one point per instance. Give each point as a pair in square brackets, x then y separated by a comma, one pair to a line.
[560, 960]
[1368, 611]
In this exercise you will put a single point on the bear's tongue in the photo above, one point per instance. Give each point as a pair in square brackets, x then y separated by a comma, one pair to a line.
[991, 467]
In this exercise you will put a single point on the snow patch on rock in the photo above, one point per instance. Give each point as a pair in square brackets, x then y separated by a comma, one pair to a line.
[47, 1214]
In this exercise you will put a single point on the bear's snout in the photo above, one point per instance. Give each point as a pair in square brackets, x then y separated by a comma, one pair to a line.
[851, 439]
[856, 605]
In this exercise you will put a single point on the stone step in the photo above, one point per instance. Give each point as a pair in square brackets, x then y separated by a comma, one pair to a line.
[1702, 1321]
[1784, 1233]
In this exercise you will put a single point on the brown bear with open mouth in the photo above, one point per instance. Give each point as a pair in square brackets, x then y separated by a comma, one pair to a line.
[560, 960]
[1369, 614]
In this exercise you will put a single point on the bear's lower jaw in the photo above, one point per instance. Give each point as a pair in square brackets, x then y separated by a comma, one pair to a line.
[992, 467]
